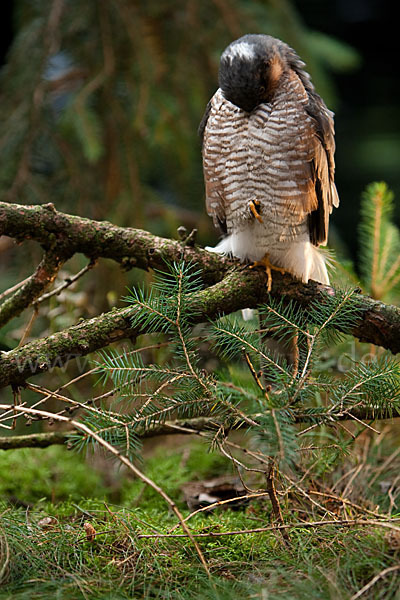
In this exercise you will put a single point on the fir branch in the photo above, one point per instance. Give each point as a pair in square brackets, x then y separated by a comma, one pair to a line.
[380, 241]
[378, 324]
[189, 426]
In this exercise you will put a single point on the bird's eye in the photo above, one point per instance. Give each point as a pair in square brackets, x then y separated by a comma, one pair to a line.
[262, 88]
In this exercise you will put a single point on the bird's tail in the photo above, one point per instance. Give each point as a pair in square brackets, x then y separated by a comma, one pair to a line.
[305, 261]
[319, 260]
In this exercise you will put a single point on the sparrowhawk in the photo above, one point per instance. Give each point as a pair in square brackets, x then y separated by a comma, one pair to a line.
[268, 159]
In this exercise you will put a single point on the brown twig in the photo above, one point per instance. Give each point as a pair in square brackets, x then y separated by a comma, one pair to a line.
[296, 486]
[196, 426]
[29, 326]
[371, 583]
[254, 373]
[67, 282]
[278, 527]
[384, 466]
[276, 507]
[4, 554]
[13, 288]
[345, 501]
[34, 286]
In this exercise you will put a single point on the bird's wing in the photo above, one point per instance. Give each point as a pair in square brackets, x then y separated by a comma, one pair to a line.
[203, 122]
[215, 205]
[322, 168]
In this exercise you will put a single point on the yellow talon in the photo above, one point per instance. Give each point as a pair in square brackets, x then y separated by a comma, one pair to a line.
[265, 262]
[254, 206]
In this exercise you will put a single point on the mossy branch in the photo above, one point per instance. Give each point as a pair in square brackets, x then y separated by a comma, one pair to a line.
[232, 287]
[35, 285]
[127, 246]
[33, 440]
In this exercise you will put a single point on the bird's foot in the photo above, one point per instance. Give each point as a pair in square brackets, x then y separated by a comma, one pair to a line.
[265, 262]
[254, 206]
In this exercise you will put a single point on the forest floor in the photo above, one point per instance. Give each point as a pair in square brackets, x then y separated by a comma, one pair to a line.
[53, 501]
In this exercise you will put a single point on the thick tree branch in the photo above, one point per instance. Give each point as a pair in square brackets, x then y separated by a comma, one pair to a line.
[54, 351]
[50, 438]
[34, 440]
[379, 324]
[235, 287]
[129, 247]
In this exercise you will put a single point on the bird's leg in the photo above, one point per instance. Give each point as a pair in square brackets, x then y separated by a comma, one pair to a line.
[254, 206]
[265, 262]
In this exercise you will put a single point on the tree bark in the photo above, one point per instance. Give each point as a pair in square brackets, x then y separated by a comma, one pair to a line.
[127, 246]
[231, 287]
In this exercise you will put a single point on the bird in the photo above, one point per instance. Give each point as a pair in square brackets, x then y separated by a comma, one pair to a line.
[268, 160]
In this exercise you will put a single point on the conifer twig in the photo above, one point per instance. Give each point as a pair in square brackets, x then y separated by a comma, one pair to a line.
[232, 290]
[254, 373]
[276, 508]
[195, 426]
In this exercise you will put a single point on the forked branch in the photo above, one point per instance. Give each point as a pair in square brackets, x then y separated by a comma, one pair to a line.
[232, 287]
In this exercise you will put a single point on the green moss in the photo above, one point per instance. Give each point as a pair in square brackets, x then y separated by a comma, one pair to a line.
[166, 469]
[30, 474]
[59, 562]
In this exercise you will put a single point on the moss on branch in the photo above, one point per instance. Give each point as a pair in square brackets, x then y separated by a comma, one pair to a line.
[127, 246]
[36, 284]
[233, 287]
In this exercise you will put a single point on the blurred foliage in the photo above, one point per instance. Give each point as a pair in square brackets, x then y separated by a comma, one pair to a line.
[380, 242]
[29, 475]
[378, 273]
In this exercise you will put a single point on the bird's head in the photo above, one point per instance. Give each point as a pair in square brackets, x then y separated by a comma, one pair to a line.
[250, 70]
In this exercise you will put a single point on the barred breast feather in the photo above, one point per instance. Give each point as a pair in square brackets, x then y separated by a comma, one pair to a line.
[280, 156]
